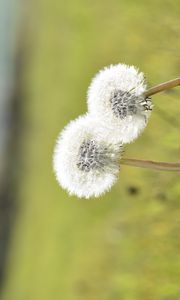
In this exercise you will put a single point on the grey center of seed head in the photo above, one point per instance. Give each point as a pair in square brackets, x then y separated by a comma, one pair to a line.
[124, 104]
[90, 156]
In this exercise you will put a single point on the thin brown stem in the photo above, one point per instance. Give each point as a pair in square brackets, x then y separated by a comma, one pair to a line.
[162, 87]
[162, 166]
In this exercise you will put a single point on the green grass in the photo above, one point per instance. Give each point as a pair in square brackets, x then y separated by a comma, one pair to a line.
[121, 246]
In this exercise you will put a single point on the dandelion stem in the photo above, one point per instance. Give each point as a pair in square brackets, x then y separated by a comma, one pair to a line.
[162, 87]
[162, 166]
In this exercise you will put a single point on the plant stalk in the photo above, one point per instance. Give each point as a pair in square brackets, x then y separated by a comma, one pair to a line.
[162, 87]
[149, 164]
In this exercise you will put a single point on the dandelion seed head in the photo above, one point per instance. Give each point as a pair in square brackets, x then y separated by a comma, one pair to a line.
[125, 104]
[115, 97]
[85, 164]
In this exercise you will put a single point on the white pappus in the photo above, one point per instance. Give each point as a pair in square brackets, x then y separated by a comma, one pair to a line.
[115, 98]
[85, 163]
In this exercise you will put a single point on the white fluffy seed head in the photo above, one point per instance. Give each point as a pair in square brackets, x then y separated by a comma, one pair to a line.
[85, 164]
[115, 98]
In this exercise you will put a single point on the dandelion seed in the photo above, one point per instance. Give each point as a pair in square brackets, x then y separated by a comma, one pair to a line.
[115, 98]
[84, 162]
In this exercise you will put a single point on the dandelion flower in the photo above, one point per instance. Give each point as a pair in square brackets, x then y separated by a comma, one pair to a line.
[85, 164]
[115, 98]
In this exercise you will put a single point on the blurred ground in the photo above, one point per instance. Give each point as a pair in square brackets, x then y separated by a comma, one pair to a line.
[124, 245]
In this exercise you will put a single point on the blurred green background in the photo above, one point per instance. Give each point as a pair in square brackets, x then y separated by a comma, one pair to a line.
[124, 245]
